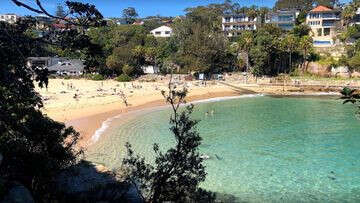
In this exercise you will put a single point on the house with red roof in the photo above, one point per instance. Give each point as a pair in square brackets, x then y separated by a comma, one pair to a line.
[323, 22]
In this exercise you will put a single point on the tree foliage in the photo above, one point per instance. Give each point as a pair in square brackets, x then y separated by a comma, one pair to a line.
[60, 12]
[130, 15]
[303, 5]
[176, 174]
[34, 147]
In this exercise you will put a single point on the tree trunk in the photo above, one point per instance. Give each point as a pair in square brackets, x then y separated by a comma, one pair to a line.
[290, 61]
[247, 61]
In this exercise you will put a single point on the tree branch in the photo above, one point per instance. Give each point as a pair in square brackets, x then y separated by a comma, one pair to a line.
[18, 3]
[52, 16]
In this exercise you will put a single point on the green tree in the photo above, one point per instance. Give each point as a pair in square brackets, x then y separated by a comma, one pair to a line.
[177, 173]
[291, 44]
[300, 30]
[354, 62]
[348, 14]
[130, 15]
[303, 5]
[128, 70]
[151, 24]
[34, 147]
[245, 42]
[60, 12]
[267, 54]
[306, 45]
[201, 44]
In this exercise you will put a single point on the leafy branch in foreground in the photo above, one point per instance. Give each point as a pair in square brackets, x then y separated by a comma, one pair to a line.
[176, 174]
[34, 147]
[351, 96]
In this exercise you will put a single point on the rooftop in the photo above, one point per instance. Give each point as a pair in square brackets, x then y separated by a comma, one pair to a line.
[321, 9]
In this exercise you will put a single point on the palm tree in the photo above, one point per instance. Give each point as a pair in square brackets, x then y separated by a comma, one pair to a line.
[290, 43]
[245, 42]
[263, 12]
[348, 13]
[252, 12]
[306, 44]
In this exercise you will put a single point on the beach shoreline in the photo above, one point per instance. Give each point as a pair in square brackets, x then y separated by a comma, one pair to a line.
[89, 104]
[89, 125]
[93, 127]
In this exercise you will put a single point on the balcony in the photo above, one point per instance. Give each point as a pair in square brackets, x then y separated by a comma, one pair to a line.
[328, 23]
[330, 16]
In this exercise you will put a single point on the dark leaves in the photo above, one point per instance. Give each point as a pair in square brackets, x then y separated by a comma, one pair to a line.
[177, 173]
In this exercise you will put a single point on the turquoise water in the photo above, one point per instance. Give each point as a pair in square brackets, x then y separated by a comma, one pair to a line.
[262, 149]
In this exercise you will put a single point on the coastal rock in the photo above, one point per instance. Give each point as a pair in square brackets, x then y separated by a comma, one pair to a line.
[341, 71]
[355, 74]
[89, 181]
[18, 194]
[318, 69]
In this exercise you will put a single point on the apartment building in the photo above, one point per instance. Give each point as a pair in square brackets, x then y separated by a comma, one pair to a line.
[284, 19]
[9, 17]
[323, 22]
[232, 25]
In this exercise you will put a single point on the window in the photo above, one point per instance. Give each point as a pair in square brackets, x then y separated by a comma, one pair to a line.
[157, 33]
[326, 31]
[313, 23]
[167, 32]
[227, 19]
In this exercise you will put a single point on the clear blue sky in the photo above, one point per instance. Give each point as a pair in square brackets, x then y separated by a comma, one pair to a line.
[113, 8]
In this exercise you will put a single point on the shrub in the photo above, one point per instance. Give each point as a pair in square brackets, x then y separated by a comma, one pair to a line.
[97, 77]
[123, 78]
[127, 70]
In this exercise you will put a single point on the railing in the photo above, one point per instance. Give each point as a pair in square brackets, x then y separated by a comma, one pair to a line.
[328, 24]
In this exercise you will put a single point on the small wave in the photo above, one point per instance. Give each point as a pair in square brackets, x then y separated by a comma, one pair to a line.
[216, 99]
[105, 125]
[317, 94]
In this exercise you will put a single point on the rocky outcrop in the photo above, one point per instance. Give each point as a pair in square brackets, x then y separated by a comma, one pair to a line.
[341, 71]
[88, 181]
[355, 74]
[318, 69]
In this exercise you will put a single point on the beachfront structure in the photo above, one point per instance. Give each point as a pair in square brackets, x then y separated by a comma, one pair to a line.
[232, 25]
[150, 69]
[323, 22]
[57, 65]
[67, 67]
[163, 31]
[9, 18]
[285, 19]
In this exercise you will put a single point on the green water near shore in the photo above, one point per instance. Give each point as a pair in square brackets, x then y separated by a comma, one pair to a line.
[262, 149]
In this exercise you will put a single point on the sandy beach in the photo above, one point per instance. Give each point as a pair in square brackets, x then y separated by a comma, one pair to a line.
[86, 104]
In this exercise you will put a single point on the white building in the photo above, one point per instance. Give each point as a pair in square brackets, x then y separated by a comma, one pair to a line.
[163, 31]
[150, 69]
[232, 25]
[9, 17]
[323, 22]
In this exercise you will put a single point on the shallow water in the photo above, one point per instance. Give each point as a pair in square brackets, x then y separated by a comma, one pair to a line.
[262, 149]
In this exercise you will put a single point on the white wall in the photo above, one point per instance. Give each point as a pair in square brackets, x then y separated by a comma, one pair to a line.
[163, 31]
